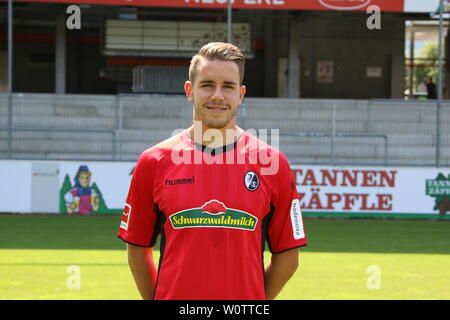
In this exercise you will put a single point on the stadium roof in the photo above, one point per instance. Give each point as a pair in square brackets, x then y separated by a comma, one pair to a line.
[419, 6]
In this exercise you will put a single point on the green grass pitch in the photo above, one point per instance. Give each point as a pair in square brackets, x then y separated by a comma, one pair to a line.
[345, 259]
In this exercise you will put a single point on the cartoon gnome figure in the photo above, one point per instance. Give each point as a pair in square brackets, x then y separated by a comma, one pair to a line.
[81, 199]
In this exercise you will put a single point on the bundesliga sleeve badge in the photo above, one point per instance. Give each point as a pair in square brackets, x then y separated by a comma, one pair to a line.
[125, 217]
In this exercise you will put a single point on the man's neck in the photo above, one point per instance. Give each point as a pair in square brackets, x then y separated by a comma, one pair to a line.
[214, 138]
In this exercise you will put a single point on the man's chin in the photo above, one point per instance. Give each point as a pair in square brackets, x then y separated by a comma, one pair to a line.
[216, 125]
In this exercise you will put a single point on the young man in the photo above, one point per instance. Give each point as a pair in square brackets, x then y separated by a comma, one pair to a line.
[213, 198]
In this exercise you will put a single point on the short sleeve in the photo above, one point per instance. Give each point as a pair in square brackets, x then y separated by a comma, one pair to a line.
[286, 229]
[138, 225]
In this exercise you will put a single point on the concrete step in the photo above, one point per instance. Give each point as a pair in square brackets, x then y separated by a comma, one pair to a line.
[44, 104]
[389, 116]
[57, 135]
[363, 161]
[152, 101]
[302, 161]
[73, 122]
[303, 114]
[314, 104]
[412, 114]
[306, 125]
[156, 124]
[403, 128]
[47, 146]
[145, 135]
[411, 139]
[394, 141]
[391, 103]
[62, 156]
[312, 150]
[139, 112]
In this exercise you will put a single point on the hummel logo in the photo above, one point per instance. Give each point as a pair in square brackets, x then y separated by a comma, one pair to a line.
[179, 181]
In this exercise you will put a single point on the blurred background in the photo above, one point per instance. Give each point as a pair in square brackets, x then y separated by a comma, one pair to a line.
[105, 81]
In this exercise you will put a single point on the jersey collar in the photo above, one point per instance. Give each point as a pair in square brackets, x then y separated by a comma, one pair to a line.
[212, 151]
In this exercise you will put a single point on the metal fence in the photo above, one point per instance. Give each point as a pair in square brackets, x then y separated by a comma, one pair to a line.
[311, 131]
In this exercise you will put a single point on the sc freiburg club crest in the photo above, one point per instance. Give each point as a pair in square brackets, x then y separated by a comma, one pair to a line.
[251, 181]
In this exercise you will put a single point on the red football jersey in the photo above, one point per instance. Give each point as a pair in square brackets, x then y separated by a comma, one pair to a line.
[214, 209]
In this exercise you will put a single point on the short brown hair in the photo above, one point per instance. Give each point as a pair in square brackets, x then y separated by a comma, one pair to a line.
[221, 51]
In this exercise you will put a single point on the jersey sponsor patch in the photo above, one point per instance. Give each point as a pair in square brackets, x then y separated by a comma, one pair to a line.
[213, 214]
[296, 219]
[125, 217]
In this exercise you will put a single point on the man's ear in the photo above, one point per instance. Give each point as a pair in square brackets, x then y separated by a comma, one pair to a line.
[188, 90]
[243, 89]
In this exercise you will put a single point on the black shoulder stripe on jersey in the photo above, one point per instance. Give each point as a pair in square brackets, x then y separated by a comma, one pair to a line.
[159, 225]
[159, 229]
[264, 233]
[265, 228]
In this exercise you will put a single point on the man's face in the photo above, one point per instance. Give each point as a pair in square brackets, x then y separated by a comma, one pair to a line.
[216, 93]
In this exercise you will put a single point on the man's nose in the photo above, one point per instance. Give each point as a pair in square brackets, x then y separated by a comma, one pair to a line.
[217, 94]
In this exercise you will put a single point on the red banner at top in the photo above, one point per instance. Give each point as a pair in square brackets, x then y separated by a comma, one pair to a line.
[336, 5]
